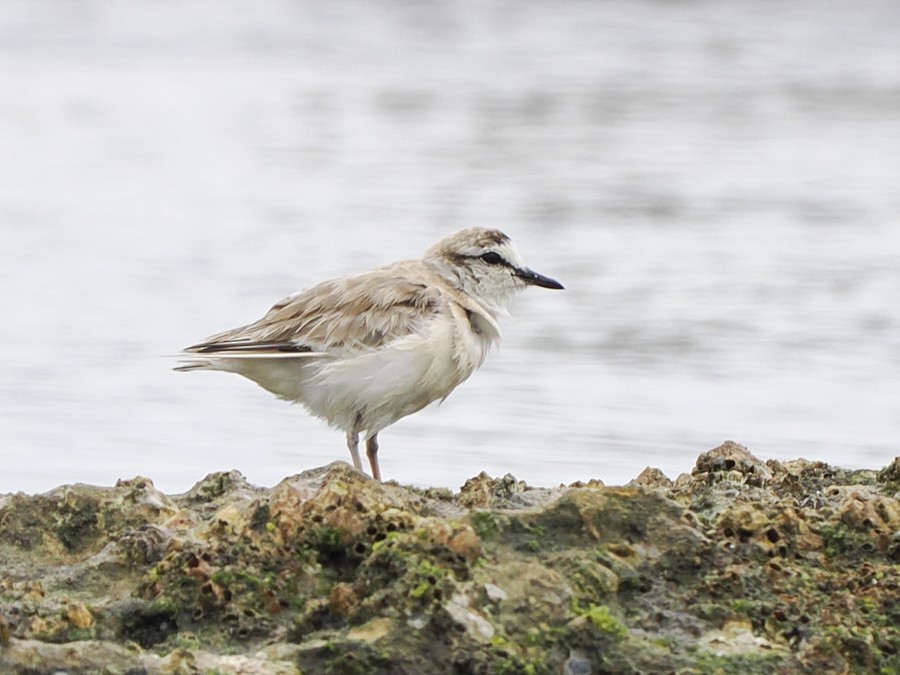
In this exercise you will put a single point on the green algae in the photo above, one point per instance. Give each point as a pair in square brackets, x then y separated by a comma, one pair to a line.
[602, 619]
[486, 524]
[742, 567]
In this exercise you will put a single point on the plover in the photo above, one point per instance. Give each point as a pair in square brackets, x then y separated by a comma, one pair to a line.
[364, 350]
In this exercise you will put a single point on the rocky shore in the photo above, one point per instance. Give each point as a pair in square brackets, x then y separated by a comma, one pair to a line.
[743, 566]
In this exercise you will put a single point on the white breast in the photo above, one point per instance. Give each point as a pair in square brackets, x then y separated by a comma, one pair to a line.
[386, 384]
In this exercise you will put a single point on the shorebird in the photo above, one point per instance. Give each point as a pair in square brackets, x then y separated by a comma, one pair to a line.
[364, 350]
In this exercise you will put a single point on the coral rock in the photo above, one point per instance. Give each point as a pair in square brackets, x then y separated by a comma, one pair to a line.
[740, 567]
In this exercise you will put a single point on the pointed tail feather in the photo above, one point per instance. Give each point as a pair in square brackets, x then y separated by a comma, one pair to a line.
[194, 365]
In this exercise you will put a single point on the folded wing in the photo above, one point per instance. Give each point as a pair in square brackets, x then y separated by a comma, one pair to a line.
[355, 313]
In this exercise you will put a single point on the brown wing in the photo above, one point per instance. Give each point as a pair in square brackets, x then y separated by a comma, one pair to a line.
[358, 312]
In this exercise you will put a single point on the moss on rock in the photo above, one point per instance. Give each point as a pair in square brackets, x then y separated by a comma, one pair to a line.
[743, 566]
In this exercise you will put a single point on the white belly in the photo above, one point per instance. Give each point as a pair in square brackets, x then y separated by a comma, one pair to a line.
[369, 390]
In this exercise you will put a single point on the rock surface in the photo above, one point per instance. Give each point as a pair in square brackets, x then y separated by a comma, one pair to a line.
[743, 566]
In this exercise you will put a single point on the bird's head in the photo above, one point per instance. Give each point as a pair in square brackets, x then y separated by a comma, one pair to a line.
[486, 264]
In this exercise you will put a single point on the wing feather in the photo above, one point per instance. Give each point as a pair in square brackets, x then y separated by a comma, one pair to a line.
[353, 313]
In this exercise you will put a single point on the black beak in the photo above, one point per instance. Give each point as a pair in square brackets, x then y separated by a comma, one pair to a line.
[535, 279]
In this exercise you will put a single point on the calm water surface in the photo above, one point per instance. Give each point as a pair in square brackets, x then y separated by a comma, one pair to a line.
[716, 183]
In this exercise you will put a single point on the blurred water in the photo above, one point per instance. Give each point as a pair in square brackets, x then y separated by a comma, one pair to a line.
[716, 183]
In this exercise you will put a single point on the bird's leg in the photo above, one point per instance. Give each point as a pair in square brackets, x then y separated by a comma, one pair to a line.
[353, 446]
[372, 454]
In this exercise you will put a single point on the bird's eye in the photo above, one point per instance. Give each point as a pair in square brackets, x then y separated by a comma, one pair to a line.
[491, 258]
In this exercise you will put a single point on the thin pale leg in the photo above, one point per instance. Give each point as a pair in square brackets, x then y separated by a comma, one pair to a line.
[372, 454]
[353, 446]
